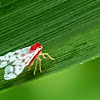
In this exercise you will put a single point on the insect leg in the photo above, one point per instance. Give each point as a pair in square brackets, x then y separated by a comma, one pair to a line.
[40, 64]
[30, 66]
[48, 56]
[43, 56]
[36, 67]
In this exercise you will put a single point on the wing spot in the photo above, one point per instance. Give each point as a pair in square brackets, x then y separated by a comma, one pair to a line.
[23, 55]
[15, 53]
[23, 60]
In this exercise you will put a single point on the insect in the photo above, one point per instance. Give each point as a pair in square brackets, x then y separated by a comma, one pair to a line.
[15, 62]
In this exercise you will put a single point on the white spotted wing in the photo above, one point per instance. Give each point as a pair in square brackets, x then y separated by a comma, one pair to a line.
[15, 62]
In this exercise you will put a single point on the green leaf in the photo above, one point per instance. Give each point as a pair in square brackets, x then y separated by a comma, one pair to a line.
[69, 31]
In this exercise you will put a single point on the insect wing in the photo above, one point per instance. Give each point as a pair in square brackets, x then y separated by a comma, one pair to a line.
[9, 73]
[4, 60]
[11, 56]
[12, 71]
[20, 59]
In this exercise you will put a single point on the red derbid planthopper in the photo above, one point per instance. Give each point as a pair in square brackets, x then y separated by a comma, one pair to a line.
[15, 62]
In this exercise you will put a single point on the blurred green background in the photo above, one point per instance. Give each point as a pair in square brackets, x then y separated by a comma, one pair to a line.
[80, 82]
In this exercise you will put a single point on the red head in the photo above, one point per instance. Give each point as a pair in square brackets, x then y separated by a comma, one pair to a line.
[35, 46]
